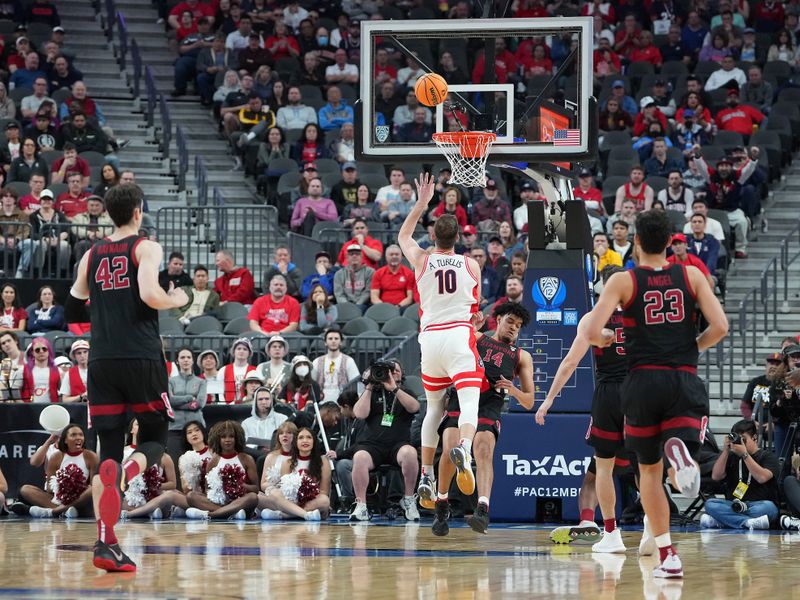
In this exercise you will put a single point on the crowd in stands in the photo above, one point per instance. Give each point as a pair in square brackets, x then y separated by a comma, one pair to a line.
[59, 153]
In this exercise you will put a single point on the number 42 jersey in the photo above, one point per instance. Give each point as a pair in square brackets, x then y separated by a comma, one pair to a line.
[123, 326]
[448, 291]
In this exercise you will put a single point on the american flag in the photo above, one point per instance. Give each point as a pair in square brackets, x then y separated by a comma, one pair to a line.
[567, 137]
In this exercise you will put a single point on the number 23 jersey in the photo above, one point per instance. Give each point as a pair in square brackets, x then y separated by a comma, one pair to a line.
[448, 290]
[659, 319]
[123, 326]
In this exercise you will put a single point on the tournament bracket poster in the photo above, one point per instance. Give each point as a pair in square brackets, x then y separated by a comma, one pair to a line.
[557, 298]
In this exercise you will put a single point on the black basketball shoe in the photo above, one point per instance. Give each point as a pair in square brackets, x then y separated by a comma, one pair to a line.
[440, 525]
[480, 518]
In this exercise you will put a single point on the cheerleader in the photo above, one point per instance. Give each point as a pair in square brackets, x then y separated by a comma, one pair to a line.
[271, 474]
[69, 471]
[232, 480]
[193, 463]
[305, 482]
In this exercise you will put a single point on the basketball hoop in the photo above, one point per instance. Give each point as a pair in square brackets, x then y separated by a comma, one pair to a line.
[466, 151]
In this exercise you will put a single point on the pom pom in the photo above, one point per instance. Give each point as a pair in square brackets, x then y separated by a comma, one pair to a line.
[135, 492]
[290, 485]
[189, 464]
[225, 483]
[308, 490]
[153, 478]
[68, 484]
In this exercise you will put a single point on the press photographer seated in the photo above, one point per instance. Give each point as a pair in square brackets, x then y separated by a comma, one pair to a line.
[750, 479]
[388, 411]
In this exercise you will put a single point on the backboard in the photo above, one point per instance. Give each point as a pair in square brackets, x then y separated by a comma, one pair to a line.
[540, 113]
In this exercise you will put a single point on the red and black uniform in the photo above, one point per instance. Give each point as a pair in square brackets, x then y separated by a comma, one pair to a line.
[605, 433]
[662, 397]
[126, 366]
[499, 360]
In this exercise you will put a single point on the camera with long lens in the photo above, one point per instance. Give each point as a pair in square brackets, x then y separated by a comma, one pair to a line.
[738, 506]
[379, 372]
[735, 438]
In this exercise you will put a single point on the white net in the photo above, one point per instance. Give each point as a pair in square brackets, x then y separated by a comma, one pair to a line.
[467, 152]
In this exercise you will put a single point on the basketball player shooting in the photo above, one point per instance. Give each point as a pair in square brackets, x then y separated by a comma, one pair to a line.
[662, 397]
[126, 366]
[449, 287]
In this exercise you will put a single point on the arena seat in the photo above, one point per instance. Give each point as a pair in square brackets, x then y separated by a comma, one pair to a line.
[383, 312]
[399, 326]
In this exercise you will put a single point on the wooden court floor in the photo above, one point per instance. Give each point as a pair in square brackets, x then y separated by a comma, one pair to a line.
[380, 560]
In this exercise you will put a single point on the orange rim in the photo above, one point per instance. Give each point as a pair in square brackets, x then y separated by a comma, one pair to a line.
[471, 144]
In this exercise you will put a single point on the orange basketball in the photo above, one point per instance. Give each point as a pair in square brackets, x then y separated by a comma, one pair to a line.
[431, 89]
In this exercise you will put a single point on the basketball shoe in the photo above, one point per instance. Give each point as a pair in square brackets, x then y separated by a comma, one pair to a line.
[584, 533]
[465, 479]
[440, 526]
[669, 568]
[426, 490]
[610, 543]
[687, 475]
[647, 545]
[111, 558]
[479, 521]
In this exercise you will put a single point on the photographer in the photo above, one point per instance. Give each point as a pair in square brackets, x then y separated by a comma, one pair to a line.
[763, 387]
[388, 411]
[750, 479]
[786, 408]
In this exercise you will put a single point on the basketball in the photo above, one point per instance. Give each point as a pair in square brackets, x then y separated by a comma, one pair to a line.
[431, 89]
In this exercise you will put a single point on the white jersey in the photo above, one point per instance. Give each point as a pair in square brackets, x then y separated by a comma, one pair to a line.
[448, 290]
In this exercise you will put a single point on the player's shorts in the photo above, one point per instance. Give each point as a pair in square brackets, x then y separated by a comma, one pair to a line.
[662, 403]
[382, 455]
[118, 386]
[449, 357]
[488, 419]
[606, 426]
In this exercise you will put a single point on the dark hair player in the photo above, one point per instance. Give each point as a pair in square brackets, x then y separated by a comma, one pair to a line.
[126, 368]
[662, 397]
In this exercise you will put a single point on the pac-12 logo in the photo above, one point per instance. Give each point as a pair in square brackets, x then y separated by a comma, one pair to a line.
[381, 133]
[549, 293]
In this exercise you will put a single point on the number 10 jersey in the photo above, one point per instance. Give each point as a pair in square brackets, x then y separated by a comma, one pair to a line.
[448, 291]
[123, 326]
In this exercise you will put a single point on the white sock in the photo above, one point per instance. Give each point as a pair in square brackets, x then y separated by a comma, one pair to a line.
[483, 500]
[466, 444]
[663, 540]
[442, 497]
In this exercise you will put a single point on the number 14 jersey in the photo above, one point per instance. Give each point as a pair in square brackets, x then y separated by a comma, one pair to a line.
[659, 319]
[123, 326]
[448, 291]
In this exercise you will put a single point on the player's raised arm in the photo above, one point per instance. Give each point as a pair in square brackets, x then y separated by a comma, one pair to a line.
[570, 362]
[616, 291]
[149, 255]
[711, 308]
[405, 238]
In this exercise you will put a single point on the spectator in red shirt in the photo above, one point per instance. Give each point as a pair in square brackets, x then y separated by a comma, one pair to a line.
[276, 312]
[586, 191]
[769, 15]
[627, 36]
[646, 52]
[538, 63]
[195, 7]
[606, 61]
[513, 294]
[73, 201]
[393, 283]
[29, 203]
[451, 205]
[70, 163]
[187, 26]
[236, 284]
[738, 117]
[650, 113]
[384, 71]
[371, 249]
[505, 63]
[682, 256]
